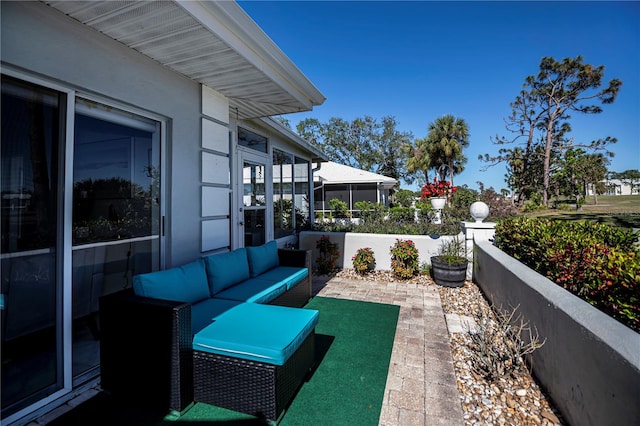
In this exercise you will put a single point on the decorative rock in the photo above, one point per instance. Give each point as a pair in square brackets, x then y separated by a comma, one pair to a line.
[551, 417]
[521, 392]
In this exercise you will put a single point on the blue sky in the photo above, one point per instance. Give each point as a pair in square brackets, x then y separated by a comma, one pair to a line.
[420, 60]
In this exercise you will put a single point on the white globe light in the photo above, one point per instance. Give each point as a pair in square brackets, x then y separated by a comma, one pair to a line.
[479, 211]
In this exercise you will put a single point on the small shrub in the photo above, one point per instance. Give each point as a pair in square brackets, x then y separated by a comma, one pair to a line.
[401, 214]
[404, 259]
[339, 208]
[328, 255]
[497, 347]
[425, 268]
[364, 260]
[404, 197]
[370, 212]
[594, 261]
[531, 206]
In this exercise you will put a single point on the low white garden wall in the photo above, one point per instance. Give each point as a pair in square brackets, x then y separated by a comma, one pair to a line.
[350, 242]
[590, 363]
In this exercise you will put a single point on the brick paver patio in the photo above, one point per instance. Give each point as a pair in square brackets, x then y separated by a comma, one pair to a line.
[421, 385]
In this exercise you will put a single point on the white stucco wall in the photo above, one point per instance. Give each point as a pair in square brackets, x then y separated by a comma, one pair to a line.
[46, 43]
[350, 242]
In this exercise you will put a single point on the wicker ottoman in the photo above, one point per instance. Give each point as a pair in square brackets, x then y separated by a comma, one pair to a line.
[253, 358]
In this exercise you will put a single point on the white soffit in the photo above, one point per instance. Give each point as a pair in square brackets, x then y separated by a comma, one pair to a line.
[214, 43]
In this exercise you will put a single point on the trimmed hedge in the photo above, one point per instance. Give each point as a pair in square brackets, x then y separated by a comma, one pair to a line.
[597, 262]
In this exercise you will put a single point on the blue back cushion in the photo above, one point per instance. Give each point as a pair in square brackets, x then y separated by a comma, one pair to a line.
[226, 269]
[262, 258]
[186, 283]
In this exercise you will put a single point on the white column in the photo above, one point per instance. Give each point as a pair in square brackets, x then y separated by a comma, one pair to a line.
[476, 231]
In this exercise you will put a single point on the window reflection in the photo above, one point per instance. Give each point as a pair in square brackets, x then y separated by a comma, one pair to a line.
[31, 362]
[251, 140]
[115, 182]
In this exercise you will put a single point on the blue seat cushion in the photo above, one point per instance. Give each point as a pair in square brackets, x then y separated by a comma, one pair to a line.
[226, 269]
[254, 290]
[264, 333]
[288, 275]
[186, 283]
[262, 258]
[204, 312]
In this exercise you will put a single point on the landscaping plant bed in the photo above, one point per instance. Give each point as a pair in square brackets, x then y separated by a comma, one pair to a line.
[509, 400]
[515, 399]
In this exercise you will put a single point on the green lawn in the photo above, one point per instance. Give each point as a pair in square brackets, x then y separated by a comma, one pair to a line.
[617, 210]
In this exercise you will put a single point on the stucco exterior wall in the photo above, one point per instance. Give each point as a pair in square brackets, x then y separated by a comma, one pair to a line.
[46, 43]
[350, 242]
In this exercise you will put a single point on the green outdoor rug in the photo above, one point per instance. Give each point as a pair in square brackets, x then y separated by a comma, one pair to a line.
[353, 347]
[353, 342]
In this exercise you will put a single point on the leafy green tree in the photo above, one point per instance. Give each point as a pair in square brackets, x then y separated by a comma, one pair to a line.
[543, 108]
[364, 143]
[283, 120]
[447, 138]
[580, 170]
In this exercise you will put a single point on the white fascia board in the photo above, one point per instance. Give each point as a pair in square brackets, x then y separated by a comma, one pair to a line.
[229, 22]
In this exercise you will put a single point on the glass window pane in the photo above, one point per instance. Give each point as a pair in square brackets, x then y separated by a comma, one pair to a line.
[302, 189]
[283, 220]
[31, 363]
[251, 140]
[253, 184]
[116, 213]
[254, 230]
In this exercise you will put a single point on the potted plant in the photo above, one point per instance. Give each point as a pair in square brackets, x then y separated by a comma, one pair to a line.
[437, 192]
[449, 266]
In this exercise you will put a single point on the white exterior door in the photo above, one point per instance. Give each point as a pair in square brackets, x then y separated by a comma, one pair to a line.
[254, 215]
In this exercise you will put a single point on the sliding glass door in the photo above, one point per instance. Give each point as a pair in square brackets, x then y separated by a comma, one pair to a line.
[60, 253]
[32, 145]
[116, 214]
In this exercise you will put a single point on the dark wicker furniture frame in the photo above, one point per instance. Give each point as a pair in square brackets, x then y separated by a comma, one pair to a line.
[146, 344]
[260, 389]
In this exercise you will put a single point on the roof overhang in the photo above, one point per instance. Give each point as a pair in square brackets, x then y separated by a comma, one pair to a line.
[212, 42]
[315, 154]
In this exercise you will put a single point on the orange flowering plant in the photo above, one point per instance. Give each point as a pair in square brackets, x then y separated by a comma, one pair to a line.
[438, 188]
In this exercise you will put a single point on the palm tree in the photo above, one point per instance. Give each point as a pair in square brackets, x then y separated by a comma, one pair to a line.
[418, 158]
[447, 137]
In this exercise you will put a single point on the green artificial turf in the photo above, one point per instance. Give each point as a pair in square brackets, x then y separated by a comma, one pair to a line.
[353, 347]
[348, 385]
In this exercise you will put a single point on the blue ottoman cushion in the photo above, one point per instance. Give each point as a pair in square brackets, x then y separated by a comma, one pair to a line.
[264, 333]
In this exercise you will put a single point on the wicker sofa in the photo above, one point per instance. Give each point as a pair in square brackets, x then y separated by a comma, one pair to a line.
[148, 350]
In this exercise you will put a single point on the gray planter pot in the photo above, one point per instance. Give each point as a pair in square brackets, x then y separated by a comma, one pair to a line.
[448, 275]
